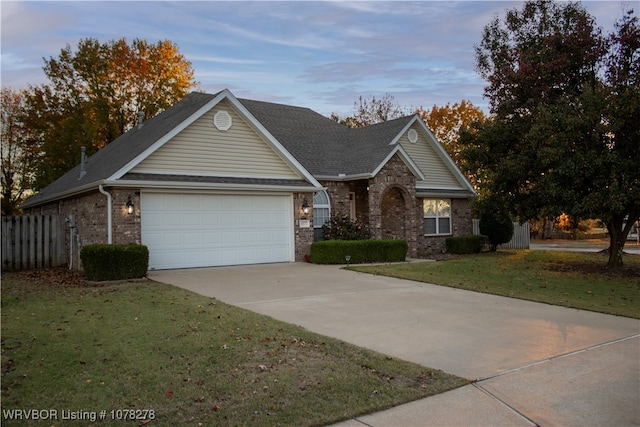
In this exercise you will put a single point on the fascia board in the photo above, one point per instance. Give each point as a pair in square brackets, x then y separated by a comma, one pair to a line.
[442, 153]
[354, 177]
[286, 156]
[395, 140]
[405, 158]
[174, 185]
[63, 194]
[167, 137]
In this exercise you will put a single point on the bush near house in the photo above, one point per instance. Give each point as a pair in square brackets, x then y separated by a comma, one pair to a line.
[114, 262]
[464, 244]
[360, 251]
[342, 227]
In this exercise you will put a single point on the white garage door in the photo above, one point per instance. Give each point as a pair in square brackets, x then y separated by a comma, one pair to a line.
[198, 230]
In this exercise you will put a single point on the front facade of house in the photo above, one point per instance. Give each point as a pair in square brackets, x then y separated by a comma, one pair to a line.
[217, 181]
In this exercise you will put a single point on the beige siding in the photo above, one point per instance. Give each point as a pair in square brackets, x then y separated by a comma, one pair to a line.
[437, 173]
[203, 149]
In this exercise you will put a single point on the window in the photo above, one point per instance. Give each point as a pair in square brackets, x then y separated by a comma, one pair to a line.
[321, 213]
[437, 216]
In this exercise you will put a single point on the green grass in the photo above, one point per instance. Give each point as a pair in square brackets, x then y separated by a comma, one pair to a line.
[570, 279]
[190, 359]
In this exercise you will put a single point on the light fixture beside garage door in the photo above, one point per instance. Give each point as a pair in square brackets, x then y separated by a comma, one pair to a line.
[222, 120]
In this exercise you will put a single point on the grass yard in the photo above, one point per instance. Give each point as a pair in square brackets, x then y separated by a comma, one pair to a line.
[178, 358]
[570, 279]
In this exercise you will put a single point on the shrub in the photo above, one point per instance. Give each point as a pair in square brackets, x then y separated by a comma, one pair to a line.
[361, 251]
[464, 244]
[114, 262]
[497, 225]
[341, 227]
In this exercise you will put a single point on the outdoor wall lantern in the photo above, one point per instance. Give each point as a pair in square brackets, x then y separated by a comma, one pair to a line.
[129, 206]
[305, 207]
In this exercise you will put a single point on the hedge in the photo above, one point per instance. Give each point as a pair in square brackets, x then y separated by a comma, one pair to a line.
[114, 262]
[470, 244]
[361, 251]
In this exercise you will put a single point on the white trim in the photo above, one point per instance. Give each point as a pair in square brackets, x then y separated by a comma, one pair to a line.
[240, 109]
[173, 185]
[159, 143]
[405, 158]
[442, 153]
[179, 172]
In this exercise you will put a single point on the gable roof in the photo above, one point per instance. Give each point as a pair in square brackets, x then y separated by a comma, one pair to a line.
[313, 145]
[328, 149]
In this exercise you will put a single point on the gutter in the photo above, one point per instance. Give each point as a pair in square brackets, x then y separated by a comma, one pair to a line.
[109, 214]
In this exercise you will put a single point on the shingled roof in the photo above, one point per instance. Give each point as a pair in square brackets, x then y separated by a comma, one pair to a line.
[325, 148]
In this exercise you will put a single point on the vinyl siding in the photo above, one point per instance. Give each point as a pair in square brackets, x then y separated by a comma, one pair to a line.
[202, 149]
[437, 173]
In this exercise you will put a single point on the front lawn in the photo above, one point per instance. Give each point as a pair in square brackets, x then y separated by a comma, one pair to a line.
[570, 279]
[178, 358]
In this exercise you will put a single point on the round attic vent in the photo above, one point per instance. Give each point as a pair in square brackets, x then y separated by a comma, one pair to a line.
[412, 135]
[222, 120]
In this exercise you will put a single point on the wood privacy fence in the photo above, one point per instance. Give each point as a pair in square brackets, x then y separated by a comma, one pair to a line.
[33, 241]
[521, 235]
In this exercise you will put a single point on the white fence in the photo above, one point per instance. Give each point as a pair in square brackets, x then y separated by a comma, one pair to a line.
[521, 235]
[33, 241]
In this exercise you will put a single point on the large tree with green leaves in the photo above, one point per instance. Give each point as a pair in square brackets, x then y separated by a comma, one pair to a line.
[563, 136]
[95, 94]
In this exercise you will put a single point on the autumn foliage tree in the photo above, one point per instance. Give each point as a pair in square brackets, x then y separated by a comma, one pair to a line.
[95, 93]
[446, 122]
[19, 152]
[564, 132]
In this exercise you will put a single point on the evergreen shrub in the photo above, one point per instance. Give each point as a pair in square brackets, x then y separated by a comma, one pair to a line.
[470, 244]
[114, 262]
[361, 251]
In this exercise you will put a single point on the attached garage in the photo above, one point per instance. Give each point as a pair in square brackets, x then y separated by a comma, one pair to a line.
[185, 230]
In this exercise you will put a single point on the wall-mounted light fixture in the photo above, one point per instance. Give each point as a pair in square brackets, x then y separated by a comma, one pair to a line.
[129, 206]
[305, 207]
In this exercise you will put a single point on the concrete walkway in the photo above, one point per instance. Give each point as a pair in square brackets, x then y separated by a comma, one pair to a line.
[535, 364]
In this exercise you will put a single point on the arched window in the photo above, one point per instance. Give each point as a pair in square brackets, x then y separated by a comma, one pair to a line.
[321, 213]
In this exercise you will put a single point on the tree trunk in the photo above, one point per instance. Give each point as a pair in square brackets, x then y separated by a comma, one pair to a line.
[618, 232]
[616, 246]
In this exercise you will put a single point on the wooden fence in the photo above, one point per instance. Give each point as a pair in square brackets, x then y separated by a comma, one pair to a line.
[33, 241]
[521, 235]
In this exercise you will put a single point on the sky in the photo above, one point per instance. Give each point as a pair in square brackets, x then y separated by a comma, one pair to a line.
[321, 55]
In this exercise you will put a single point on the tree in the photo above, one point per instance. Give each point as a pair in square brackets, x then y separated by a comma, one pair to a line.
[372, 110]
[19, 152]
[496, 224]
[96, 93]
[446, 123]
[560, 139]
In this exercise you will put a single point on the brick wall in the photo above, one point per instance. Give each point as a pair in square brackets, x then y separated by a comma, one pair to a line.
[391, 190]
[90, 210]
[461, 225]
[303, 236]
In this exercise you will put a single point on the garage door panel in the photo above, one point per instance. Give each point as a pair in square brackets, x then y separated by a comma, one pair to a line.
[197, 230]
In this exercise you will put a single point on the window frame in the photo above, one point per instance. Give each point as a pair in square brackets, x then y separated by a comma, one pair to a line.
[437, 217]
[321, 206]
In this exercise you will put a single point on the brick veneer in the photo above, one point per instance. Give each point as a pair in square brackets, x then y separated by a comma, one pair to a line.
[303, 236]
[90, 210]
[461, 225]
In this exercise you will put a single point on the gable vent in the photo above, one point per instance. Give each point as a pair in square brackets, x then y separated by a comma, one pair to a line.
[222, 120]
[412, 135]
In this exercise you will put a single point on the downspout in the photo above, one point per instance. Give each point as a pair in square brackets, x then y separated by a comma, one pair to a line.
[109, 215]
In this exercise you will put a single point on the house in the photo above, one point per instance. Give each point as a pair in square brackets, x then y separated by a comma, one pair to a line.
[217, 180]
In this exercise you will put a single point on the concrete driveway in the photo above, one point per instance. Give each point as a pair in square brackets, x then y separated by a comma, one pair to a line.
[535, 364]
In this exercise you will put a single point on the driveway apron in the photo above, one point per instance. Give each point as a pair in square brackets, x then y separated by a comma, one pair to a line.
[534, 364]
